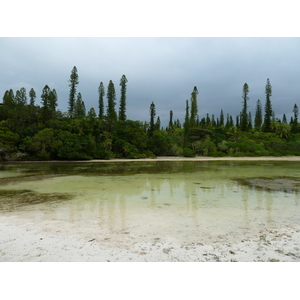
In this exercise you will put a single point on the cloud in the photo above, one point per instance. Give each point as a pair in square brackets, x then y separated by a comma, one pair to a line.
[162, 70]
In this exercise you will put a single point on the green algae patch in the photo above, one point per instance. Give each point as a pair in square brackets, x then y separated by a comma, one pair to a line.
[11, 200]
[281, 184]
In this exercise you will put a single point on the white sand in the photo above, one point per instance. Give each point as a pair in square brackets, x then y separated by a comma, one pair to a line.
[24, 240]
[182, 158]
[205, 158]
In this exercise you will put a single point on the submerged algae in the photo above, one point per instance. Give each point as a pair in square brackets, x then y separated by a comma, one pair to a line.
[282, 184]
[11, 200]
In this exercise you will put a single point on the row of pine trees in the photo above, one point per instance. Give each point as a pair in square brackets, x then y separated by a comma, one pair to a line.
[41, 131]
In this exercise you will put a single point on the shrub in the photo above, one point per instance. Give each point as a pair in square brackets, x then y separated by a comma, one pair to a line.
[188, 152]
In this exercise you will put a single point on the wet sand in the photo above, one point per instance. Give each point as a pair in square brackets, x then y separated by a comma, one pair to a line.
[25, 241]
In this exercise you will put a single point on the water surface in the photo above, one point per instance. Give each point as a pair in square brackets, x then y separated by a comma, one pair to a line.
[146, 201]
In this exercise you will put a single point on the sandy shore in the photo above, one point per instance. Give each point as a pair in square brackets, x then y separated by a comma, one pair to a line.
[25, 241]
[206, 158]
[178, 158]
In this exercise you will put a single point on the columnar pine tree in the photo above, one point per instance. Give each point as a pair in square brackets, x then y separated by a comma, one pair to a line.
[268, 108]
[9, 98]
[92, 114]
[273, 119]
[284, 120]
[20, 101]
[294, 128]
[111, 102]
[32, 96]
[194, 107]
[53, 100]
[101, 92]
[152, 118]
[221, 118]
[213, 122]
[46, 113]
[83, 109]
[296, 113]
[9, 104]
[237, 121]
[231, 121]
[122, 109]
[72, 94]
[45, 96]
[21, 98]
[244, 114]
[177, 123]
[227, 121]
[171, 119]
[258, 116]
[207, 121]
[157, 125]
[186, 124]
[79, 106]
[249, 121]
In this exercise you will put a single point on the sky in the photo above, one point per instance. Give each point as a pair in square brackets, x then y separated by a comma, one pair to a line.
[159, 69]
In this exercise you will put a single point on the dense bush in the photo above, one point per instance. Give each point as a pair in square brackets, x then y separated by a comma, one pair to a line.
[188, 152]
[88, 137]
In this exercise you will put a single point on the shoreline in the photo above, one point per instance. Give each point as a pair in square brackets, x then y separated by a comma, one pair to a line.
[168, 158]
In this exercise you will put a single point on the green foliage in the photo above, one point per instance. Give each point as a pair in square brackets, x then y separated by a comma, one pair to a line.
[132, 132]
[187, 152]
[8, 141]
[41, 143]
[205, 147]
[281, 129]
[125, 149]
[67, 146]
[42, 132]
[246, 147]
[294, 145]
[160, 143]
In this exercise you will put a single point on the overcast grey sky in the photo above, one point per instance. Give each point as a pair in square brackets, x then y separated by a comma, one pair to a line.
[162, 70]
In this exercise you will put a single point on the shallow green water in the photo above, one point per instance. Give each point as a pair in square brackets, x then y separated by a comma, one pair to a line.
[183, 200]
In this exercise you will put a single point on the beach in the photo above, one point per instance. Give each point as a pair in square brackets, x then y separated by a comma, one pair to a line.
[27, 242]
[53, 240]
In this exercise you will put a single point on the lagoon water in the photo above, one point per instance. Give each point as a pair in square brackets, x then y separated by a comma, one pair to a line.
[187, 202]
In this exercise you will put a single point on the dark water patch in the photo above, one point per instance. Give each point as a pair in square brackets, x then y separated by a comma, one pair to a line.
[110, 168]
[23, 178]
[10, 200]
[279, 184]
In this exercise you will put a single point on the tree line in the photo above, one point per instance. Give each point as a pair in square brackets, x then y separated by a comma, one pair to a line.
[41, 132]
